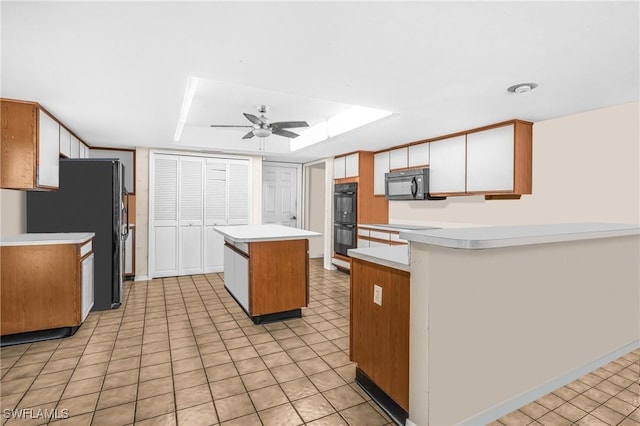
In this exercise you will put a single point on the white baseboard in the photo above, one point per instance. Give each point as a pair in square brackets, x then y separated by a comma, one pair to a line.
[491, 414]
[409, 423]
[141, 278]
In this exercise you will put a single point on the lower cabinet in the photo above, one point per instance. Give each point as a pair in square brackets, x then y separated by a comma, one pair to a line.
[46, 286]
[129, 245]
[269, 279]
[379, 328]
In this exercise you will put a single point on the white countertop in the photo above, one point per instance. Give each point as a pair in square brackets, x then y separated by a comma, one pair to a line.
[249, 233]
[37, 239]
[396, 257]
[509, 236]
[415, 226]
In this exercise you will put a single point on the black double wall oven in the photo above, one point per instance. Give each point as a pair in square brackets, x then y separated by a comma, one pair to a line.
[345, 229]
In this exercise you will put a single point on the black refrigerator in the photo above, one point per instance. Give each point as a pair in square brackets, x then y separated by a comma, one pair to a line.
[91, 198]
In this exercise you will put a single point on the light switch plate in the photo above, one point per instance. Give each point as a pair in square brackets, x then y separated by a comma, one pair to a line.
[377, 294]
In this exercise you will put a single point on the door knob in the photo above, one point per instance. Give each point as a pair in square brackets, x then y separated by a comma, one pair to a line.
[293, 217]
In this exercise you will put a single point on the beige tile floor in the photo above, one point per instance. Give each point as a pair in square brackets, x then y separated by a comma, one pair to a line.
[181, 351]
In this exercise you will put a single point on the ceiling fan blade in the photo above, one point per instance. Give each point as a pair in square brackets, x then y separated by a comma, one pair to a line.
[289, 124]
[228, 125]
[252, 118]
[248, 135]
[285, 133]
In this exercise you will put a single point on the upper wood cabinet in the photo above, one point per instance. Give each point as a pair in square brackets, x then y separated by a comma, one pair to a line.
[398, 158]
[419, 155]
[346, 166]
[490, 160]
[447, 169]
[30, 145]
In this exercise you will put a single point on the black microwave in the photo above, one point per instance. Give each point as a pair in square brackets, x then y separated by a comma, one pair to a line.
[408, 185]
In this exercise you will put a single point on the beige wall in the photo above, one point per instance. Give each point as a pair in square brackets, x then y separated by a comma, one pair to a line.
[315, 207]
[13, 212]
[492, 330]
[142, 211]
[586, 167]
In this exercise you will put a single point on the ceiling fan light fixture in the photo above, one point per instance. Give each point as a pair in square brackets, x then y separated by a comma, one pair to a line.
[262, 132]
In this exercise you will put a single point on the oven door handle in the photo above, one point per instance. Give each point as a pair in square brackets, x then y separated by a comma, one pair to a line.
[414, 187]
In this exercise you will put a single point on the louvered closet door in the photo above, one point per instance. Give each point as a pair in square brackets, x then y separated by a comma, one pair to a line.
[164, 259]
[190, 215]
[215, 213]
[238, 179]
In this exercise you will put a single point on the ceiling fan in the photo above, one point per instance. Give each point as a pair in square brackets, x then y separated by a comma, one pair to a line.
[262, 128]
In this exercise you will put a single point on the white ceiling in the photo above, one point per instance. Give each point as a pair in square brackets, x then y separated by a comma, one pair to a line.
[116, 72]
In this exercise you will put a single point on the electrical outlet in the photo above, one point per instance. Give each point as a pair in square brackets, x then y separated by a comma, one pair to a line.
[377, 295]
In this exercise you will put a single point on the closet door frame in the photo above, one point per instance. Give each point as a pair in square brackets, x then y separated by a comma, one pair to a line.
[151, 219]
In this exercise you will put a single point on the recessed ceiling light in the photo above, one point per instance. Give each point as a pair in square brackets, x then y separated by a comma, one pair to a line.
[522, 87]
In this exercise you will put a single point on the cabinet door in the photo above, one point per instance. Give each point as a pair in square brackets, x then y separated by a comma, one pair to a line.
[447, 168]
[238, 190]
[398, 158]
[128, 252]
[241, 271]
[87, 296]
[191, 210]
[75, 147]
[351, 165]
[380, 167]
[362, 243]
[65, 142]
[165, 216]
[419, 155]
[339, 167]
[490, 160]
[48, 151]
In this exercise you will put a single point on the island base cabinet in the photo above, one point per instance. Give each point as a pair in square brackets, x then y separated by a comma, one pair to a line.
[41, 287]
[379, 334]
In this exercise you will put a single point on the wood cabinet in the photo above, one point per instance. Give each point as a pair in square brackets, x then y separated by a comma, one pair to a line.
[447, 172]
[419, 155]
[30, 146]
[374, 237]
[45, 286]
[398, 158]
[268, 277]
[379, 333]
[346, 166]
[380, 167]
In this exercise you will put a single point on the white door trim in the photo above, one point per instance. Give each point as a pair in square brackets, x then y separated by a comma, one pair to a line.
[298, 167]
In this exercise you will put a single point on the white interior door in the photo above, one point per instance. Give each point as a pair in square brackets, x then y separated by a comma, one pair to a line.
[191, 215]
[280, 194]
[164, 233]
[215, 213]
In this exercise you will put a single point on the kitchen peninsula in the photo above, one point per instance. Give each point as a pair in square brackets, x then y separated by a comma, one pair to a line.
[500, 316]
[266, 269]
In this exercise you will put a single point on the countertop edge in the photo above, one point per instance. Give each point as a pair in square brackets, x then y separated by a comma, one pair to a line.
[77, 239]
[379, 260]
[478, 244]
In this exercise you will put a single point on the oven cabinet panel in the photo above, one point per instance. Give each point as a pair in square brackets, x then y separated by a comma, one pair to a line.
[379, 332]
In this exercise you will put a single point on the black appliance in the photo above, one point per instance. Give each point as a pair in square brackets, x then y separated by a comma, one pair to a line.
[90, 198]
[345, 230]
[408, 185]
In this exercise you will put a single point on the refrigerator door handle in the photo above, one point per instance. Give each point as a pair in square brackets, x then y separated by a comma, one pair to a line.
[125, 232]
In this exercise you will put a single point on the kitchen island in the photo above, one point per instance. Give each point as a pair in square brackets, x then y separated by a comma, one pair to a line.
[501, 316]
[47, 285]
[266, 269]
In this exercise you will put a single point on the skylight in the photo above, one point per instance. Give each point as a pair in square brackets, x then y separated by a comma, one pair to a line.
[192, 84]
[352, 118]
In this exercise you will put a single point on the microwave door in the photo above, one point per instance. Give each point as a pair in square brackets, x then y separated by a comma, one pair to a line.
[401, 188]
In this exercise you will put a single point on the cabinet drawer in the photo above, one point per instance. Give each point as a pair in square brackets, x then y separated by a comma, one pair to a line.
[396, 237]
[363, 232]
[381, 235]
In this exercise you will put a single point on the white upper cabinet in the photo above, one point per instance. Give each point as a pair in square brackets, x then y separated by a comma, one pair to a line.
[351, 165]
[338, 167]
[419, 155]
[75, 147]
[490, 160]
[447, 165]
[380, 167]
[65, 142]
[346, 166]
[398, 158]
[48, 151]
